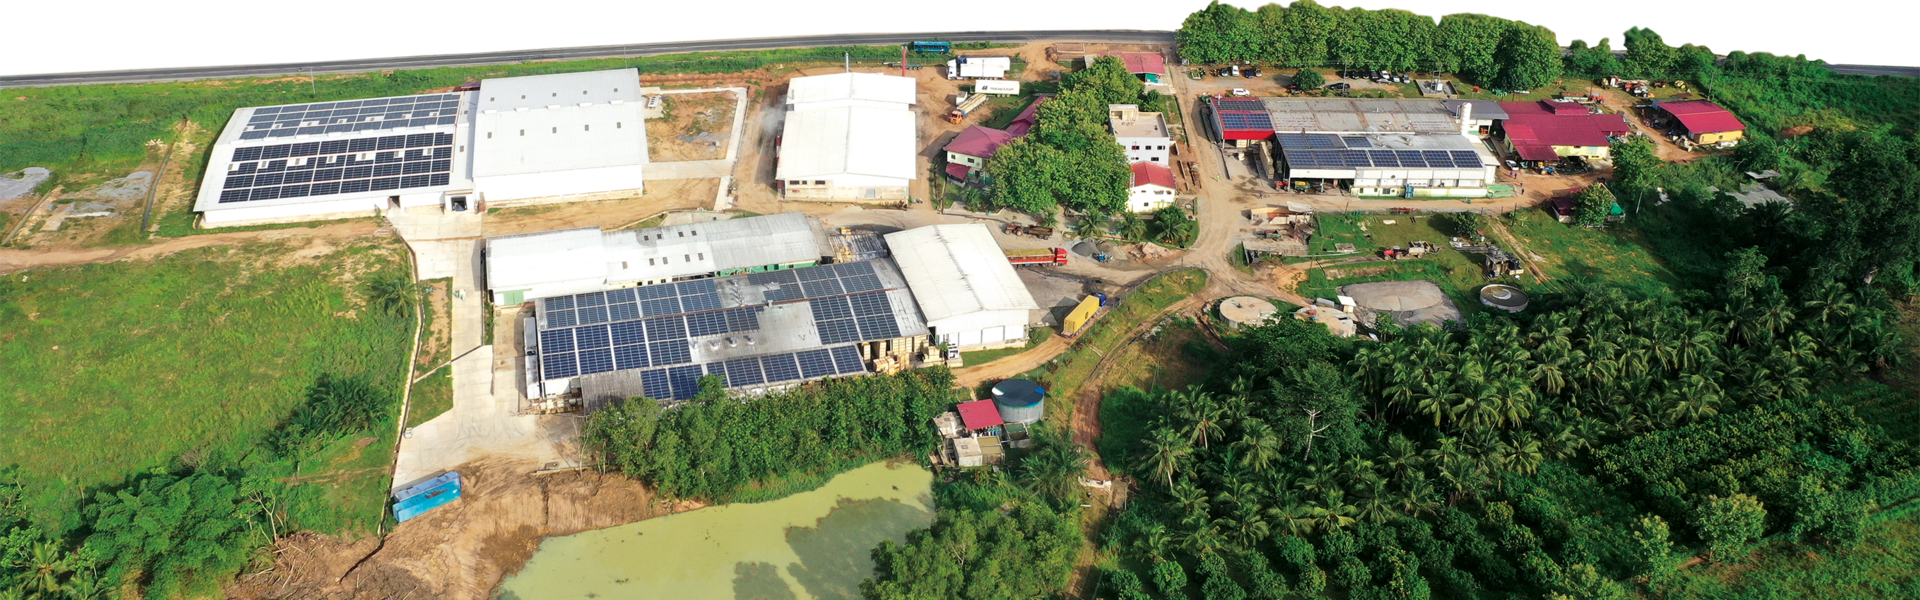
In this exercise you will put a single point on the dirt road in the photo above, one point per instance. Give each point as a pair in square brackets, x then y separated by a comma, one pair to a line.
[15, 260]
[1621, 102]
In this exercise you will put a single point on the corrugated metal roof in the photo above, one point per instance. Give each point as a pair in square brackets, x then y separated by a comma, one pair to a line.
[852, 140]
[979, 141]
[711, 246]
[957, 270]
[524, 260]
[980, 414]
[1482, 109]
[850, 86]
[548, 123]
[1701, 116]
[1149, 173]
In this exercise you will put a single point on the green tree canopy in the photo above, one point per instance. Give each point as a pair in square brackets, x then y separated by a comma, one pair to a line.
[1467, 44]
[1591, 206]
[1308, 78]
[1529, 57]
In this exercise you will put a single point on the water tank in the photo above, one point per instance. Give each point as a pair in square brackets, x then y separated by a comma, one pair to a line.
[1020, 401]
[1246, 311]
[1504, 297]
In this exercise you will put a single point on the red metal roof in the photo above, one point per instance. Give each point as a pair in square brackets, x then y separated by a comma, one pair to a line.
[1027, 118]
[1142, 62]
[1149, 173]
[1535, 152]
[958, 171]
[1564, 108]
[1701, 116]
[979, 141]
[1533, 123]
[980, 414]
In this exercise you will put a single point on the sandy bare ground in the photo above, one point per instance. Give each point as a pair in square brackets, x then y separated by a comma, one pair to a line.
[461, 550]
[692, 114]
[1621, 102]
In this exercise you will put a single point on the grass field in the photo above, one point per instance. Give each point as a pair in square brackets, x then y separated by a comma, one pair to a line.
[185, 361]
[1621, 255]
[1456, 272]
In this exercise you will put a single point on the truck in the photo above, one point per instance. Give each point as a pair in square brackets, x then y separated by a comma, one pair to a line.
[1032, 230]
[1037, 256]
[931, 47]
[965, 105]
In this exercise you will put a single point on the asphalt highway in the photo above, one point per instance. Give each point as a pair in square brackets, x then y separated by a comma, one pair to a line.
[1125, 36]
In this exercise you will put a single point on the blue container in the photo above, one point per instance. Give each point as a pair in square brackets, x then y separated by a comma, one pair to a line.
[425, 486]
[419, 504]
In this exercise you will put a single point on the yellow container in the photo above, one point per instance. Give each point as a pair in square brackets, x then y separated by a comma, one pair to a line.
[1077, 319]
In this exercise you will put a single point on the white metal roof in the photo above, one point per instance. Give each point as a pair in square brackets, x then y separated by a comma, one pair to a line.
[676, 250]
[524, 260]
[848, 141]
[564, 122]
[956, 270]
[802, 91]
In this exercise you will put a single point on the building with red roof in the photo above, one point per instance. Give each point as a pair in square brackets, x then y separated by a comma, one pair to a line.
[1548, 131]
[1029, 117]
[979, 414]
[969, 151]
[1152, 187]
[1702, 121]
[1150, 67]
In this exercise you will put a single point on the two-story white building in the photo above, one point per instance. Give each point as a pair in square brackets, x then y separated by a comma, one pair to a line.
[1142, 134]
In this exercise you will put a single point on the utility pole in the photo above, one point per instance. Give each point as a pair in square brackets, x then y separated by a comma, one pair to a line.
[312, 83]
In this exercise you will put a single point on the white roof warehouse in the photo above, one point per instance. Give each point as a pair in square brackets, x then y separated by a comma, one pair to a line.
[528, 266]
[848, 137]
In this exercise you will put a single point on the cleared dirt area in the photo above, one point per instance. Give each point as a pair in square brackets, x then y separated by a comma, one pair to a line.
[661, 195]
[691, 127]
[461, 550]
[1621, 102]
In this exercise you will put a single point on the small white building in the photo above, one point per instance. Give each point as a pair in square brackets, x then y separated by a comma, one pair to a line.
[848, 137]
[979, 67]
[556, 136]
[968, 292]
[1142, 134]
[1152, 188]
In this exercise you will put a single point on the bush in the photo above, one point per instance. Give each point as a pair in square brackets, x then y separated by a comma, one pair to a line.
[1309, 79]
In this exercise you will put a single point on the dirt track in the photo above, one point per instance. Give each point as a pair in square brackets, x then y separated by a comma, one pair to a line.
[15, 260]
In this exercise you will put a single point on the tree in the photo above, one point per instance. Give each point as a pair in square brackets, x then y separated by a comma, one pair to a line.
[1108, 80]
[1167, 448]
[1467, 44]
[1647, 54]
[1173, 227]
[1026, 173]
[1591, 205]
[1634, 164]
[1597, 61]
[1529, 57]
[1730, 525]
[1652, 550]
[1217, 33]
[179, 535]
[1170, 579]
[1309, 78]
[1301, 34]
[1054, 465]
[1124, 585]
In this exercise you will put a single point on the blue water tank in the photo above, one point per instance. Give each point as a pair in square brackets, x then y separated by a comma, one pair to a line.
[1020, 401]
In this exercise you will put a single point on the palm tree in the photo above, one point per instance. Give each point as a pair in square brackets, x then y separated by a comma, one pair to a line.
[1258, 445]
[1248, 526]
[1328, 513]
[45, 568]
[1190, 499]
[1523, 458]
[1400, 457]
[1417, 495]
[1167, 450]
[1055, 466]
[1374, 505]
[1201, 414]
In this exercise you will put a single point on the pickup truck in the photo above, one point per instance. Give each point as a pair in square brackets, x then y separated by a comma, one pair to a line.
[1038, 256]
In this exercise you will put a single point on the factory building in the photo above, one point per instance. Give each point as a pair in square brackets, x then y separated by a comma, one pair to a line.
[968, 292]
[1404, 147]
[549, 136]
[848, 137]
[529, 266]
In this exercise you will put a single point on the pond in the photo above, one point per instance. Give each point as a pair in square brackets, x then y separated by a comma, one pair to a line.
[814, 545]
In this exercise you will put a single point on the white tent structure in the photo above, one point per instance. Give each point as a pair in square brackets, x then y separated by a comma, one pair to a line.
[969, 293]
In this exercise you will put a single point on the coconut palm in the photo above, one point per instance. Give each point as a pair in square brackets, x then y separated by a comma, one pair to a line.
[1166, 451]
[1259, 446]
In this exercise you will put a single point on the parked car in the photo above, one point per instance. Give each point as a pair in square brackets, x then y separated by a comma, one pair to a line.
[1339, 86]
[1252, 72]
[1241, 92]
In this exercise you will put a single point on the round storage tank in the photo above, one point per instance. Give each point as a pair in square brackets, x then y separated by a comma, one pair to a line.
[1020, 401]
[1504, 297]
[1246, 311]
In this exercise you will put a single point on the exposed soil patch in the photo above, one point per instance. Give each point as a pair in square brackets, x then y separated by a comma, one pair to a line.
[692, 127]
[661, 195]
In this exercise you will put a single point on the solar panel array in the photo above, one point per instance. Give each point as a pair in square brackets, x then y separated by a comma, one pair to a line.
[1315, 151]
[343, 166]
[352, 115]
[1239, 105]
[652, 328]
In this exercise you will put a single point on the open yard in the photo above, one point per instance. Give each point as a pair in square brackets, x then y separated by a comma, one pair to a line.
[1621, 255]
[691, 127]
[1066, 373]
[189, 361]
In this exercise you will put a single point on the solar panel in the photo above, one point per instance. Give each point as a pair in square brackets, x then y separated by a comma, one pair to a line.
[655, 291]
[861, 283]
[697, 286]
[871, 303]
[556, 341]
[670, 352]
[846, 360]
[661, 306]
[555, 366]
[1383, 158]
[598, 360]
[780, 367]
[815, 273]
[588, 315]
[655, 384]
[308, 155]
[878, 327]
[837, 331]
[786, 293]
[699, 302]
[1465, 158]
[685, 381]
[630, 357]
[623, 311]
[744, 371]
[853, 268]
[743, 319]
[815, 363]
[666, 328]
[629, 332]
[707, 323]
[1357, 142]
[821, 287]
[1323, 141]
[594, 336]
[831, 308]
[772, 277]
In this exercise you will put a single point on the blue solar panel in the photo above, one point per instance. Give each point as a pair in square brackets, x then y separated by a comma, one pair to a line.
[717, 368]
[846, 361]
[707, 323]
[1465, 158]
[630, 357]
[623, 311]
[815, 363]
[871, 303]
[697, 286]
[670, 352]
[1357, 142]
[556, 341]
[655, 384]
[744, 371]
[593, 336]
[685, 381]
[700, 302]
[599, 360]
[1323, 141]
[878, 327]
[655, 291]
[559, 303]
[861, 283]
[560, 318]
[787, 292]
[590, 299]
[666, 328]
[780, 367]
[831, 308]
[822, 287]
[743, 319]
[620, 295]
[630, 332]
[853, 268]
[661, 306]
[815, 273]
[588, 315]
[1383, 158]
[555, 366]
[837, 331]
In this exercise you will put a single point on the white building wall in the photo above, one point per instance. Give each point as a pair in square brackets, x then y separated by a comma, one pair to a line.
[342, 208]
[1148, 198]
[506, 188]
[1146, 150]
[982, 329]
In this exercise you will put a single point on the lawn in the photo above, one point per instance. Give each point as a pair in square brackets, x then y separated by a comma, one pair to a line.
[1458, 273]
[185, 361]
[1064, 375]
[1620, 255]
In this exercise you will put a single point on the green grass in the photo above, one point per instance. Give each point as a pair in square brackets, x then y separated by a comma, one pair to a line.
[432, 397]
[1620, 255]
[1885, 565]
[1064, 375]
[1035, 336]
[189, 360]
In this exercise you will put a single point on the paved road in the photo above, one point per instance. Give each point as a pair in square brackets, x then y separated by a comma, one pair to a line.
[517, 56]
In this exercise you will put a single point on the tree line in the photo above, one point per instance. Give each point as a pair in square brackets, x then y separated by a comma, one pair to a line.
[1069, 159]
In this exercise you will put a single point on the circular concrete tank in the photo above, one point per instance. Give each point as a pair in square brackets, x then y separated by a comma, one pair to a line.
[1020, 401]
[1504, 297]
[1246, 311]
